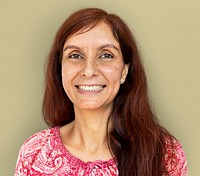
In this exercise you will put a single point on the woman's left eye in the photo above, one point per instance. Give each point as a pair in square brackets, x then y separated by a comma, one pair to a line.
[106, 55]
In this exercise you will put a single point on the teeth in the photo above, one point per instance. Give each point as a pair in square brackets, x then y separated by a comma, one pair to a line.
[90, 88]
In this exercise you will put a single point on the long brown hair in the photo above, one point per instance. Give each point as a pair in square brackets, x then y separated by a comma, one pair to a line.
[136, 138]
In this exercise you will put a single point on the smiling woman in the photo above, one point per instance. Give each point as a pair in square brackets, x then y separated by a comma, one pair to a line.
[96, 103]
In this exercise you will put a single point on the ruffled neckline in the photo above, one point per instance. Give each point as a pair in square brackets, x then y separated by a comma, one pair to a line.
[75, 160]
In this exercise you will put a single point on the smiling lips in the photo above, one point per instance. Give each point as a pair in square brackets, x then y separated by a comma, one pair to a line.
[92, 88]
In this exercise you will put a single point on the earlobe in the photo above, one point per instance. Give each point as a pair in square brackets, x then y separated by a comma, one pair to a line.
[124, 73]
[121, 81]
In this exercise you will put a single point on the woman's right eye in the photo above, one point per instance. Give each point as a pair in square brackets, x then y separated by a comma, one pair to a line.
[75, 56]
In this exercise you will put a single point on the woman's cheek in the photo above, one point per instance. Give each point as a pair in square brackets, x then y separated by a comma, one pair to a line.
[113, 71]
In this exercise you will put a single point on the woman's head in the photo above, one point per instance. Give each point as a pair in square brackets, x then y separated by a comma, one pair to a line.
[93, 68]
[57, 107]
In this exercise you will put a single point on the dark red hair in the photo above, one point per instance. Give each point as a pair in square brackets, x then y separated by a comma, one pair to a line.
[136, 139]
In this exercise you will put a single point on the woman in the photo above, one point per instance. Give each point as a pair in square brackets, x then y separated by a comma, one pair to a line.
[96, 102]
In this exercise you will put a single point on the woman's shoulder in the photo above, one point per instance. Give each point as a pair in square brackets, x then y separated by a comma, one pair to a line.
[36, 146]
[39, 139]
[35, 143]
[175, 159]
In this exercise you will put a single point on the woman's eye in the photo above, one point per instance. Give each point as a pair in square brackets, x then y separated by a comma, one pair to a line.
[106, 56]
[75, 56]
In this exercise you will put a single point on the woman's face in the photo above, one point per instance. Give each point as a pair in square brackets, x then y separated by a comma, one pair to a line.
[92, 68]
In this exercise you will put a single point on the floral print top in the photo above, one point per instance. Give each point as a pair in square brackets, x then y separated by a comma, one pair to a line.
[44, 154]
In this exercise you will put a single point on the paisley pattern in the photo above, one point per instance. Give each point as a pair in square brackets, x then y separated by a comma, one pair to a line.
[175, 159]
[44, 154]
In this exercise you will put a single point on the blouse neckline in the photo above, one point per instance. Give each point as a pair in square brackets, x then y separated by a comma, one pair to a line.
[75, 159]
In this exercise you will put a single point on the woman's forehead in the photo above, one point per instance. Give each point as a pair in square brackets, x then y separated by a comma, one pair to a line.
[101, 32]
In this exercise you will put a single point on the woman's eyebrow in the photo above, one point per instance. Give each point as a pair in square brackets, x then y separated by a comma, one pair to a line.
[101, 47]
[71, 47]
[109, 46]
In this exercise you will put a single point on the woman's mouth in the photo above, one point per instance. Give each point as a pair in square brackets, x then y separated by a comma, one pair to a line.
[90, 88]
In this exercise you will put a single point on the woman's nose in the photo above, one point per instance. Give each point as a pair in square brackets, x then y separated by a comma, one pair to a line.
[90, 68]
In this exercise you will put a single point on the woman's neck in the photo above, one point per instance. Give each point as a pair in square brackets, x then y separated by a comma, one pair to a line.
[86, 135]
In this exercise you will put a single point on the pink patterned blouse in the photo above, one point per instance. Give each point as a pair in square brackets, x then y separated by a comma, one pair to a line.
[44, 154]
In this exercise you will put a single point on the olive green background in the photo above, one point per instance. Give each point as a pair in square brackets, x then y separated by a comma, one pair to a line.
[168, 35]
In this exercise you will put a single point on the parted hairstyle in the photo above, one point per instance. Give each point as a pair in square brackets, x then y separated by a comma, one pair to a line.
[136, 139]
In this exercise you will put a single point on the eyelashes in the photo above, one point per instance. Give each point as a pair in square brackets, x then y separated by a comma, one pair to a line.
[75, 56]
[106, 55]
[101, 56]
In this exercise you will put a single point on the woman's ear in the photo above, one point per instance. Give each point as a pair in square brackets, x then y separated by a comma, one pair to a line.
[124, 73]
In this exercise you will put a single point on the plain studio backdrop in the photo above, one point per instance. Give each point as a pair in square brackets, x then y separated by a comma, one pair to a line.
[168, 35]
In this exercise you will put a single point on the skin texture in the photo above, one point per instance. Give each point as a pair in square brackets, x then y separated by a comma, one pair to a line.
[92, 70]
